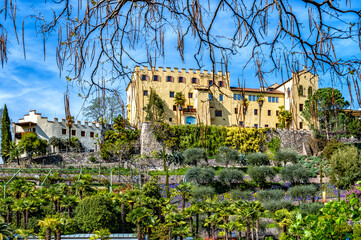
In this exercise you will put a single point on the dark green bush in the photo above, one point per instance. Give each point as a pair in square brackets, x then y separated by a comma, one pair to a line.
[230, 177]
[261, 174]
[268, 195]
[227, 155]
[302, 192]
[201, 176]
[237, 194]
[193, 156]
[331, 147]
[285, 157]
[295, 174]
[257, 159]
[311, 208]
[95, 212]
[202, 192]
[275, 205]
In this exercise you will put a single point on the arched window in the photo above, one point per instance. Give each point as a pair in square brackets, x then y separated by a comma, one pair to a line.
[300, 90]
[288, 92]
[309, 91]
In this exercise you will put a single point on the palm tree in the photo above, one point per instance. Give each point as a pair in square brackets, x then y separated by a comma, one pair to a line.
[7, 203]
[24, 233]
[26, 205]
[103, 234]
[69, 202]
[15, 152]
[139, 217]
[5, 231]
[179, 101]
[49, 224]
[184, 190]
[245, 104]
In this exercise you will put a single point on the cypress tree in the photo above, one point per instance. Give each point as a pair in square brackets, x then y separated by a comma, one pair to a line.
[5, 134]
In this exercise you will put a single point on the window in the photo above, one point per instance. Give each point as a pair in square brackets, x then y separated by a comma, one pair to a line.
[155, 78]
[276, 125]
[174, 108]
[266, 125]
[236, 110]
[250, 97]
[220, 97]
[234, 96]
[189, 107]
[194, 80]
[190, 95]
[145, 93]
[277, 112]
[255, 112]
[254, 98]
[269, 99]
[276, 99]
[91, 134]
[301, 125]
[171, 94]
[309, 91]
[144, 77]
[220, 83]
[269, 112]
[210, 82]
[169, 79]
[300, 90]
[82, 133]
[256, 126]
[288, 92]
[218, 113]
[63, 131]
[273, 99]
[241, 124]
[301, 107]
[73, 132]
[181, 79]
[210, 96]
[237, 97]
[170, 119]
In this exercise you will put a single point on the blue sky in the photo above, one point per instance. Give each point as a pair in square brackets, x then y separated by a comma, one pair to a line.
[36, 84]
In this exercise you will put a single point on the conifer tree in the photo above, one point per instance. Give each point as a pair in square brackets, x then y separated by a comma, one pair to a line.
[5, 134]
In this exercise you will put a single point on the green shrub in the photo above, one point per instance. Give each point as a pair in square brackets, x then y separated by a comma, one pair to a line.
[311, 208]
[92, 158]
[230, 177]
[202, 192]
[95, 212]
[257, 159]
[237, 194]
[227, 155]
[274, 145]
[302, 192]
[193, 156]
[295, 174]
[261, 174]
[357, 232]
[275, 205]
[285, 157]
[201, 176]
[267, 195]
[331, 147]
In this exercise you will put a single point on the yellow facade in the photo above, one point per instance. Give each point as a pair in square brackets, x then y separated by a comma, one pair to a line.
[208, 103]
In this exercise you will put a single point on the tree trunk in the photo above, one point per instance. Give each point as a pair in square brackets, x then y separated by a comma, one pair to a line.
[183, 202]
[197, 223]
[69, 211]
[48, 234]
[122, 213]
[24, 219]
[248, 228]
[139, 230]
[166, 173]
[80, 194]
[209, 227]
[58, 234]
[8, 215]
[252, 231]
[191, 226]
[17, 219]
[257, 229]
[55, 206]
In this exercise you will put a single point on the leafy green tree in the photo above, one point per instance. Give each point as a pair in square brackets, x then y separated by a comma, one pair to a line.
[201, 176]
[5, 134]
[302, 192]
[15, 152]
[95, 212]
[155, 108]
[193, 156]
[322, 109]
[31, 144]
[230, 177]
[345, 166]
[226, 156]
[295, 174]
[260, 174]
[202, 192]
[331, 147]
[238, 194]
[49, 225]
[286, 157]
[284, 118]
[257, 159]
[268, 195]
[5, 231]
[274, 145]
[179, 101]
[102, 234]
[24, 233]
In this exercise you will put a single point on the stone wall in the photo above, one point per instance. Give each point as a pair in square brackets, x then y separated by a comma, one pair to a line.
[297, 140]
[148, 143]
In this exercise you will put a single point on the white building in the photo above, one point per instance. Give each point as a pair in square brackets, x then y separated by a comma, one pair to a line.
[45, 129]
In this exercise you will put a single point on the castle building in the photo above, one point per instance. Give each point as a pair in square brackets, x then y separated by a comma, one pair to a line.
[211, 100]
[45, 129]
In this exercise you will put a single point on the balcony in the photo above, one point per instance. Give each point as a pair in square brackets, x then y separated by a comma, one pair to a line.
[189, 110]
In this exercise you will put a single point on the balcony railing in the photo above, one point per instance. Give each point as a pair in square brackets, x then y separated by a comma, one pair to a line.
[189, 110]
